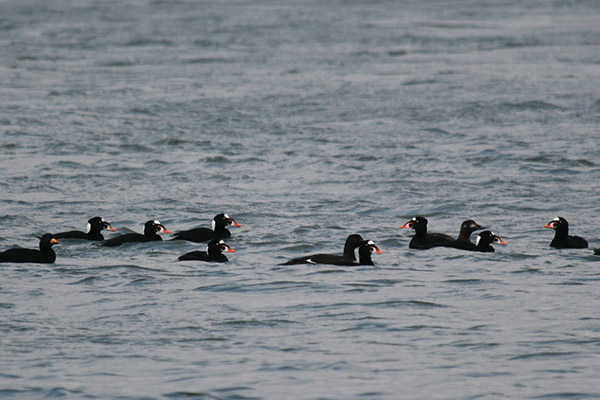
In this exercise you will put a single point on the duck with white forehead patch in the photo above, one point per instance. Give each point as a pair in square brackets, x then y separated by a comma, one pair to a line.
[94, 227]
[214, 252]
[364, 252]
[562, 239]
[151, 230]
[219, 230]
[483, 243]
[423, 240]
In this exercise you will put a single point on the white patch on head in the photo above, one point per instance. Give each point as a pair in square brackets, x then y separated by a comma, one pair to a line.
[89, 227]
[221, 242]
[157, 222]
[226, 216]
[214, 224]
[414, 219]
[102, 219]
[370, 242]
[557, 219]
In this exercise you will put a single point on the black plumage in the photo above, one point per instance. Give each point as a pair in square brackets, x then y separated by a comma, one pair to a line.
[214, 252]
[151, 230]
[219, 230]
[562, 239]
[44, 255]
[94, 228]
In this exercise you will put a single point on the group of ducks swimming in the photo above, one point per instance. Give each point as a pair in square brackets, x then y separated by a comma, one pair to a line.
[152, 229]
[421, 240]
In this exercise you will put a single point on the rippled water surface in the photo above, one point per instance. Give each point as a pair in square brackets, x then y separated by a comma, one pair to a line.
[306, 121]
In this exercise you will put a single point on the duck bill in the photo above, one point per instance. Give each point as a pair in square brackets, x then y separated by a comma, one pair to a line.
[164, 230]
[229, 250]
[110, 228]
[235, 224]
[377, 251]
[498, 240]
[406, 225]
[53, 241]
[549, 225]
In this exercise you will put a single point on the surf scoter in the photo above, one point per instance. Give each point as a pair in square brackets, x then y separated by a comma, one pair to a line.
[364, 252]
[44, 255]
[214, 252]
[562, 239]
[484, 240]
[94, 226]
[218, 231]
[423, 240]
[348, 258]
[151, 228]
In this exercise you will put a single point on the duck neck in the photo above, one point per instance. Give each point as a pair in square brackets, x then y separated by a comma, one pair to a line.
[364, 255]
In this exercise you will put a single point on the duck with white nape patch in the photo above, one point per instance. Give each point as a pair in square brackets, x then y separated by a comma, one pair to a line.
[219, 230]
[94, 227]
[347, 258]
[151, 230]
[422, 240]
[364, 252]
[562, 239]
[482, 244]
[214, 253]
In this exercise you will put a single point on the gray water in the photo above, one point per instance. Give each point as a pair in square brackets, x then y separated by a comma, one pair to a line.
[305, 121]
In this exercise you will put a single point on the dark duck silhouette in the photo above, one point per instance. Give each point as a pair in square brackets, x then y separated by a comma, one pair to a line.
[151, 230]
[214, 252]
[562, 239]
[219, 230]
[464, 235]
[347, 258]
[44, 255]
[466, 229]
[483, 242]
[94, 226]
[423, 240]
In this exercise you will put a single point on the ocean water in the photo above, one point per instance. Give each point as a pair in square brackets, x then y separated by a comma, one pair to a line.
[305, 121]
